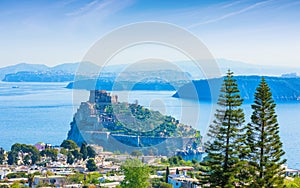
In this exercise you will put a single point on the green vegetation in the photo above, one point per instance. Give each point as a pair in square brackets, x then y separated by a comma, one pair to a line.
[136, 174]
[136, 153]
[76, 153]
[83, 151]
[52, 153]
[239, 155]
[167, 174]
[70, 158]
[16, 175]
[225, 133]
[33, 154]
[158, 183]
[2, 155]
[91, 165]
[69, 144]
[165, 185]
[73, 152]
[90, 178]
[91, 152]
[17, 185]
[176, 161]
[264, 140]
[294, 183]
[137, 120]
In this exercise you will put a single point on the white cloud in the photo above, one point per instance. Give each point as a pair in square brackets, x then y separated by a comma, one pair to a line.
[231, 14]
[97, 6]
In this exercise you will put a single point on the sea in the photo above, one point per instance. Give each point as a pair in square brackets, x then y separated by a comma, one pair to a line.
[42, 112]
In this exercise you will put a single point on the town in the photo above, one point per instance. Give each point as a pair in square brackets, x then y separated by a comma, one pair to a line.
[67, 165]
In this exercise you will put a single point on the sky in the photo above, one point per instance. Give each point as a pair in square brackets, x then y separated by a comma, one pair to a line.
[53, 32]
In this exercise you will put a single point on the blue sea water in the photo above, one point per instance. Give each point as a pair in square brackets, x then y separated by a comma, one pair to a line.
[33, 112]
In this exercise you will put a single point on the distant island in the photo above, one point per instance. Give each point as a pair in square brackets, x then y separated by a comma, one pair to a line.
[286, 88]
[26, 76]
[125, 127]
[25, 72]
[110, 85]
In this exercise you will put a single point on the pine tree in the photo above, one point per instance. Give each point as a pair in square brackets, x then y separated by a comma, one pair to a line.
[83, 151]
[70, 158]
[2, 155]
[177, 171]
[91, 152]
[225, 146]
[264, 141]
[167, 174]
[91, 165]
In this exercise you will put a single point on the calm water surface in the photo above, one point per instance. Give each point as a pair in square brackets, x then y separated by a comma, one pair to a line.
[35, 112]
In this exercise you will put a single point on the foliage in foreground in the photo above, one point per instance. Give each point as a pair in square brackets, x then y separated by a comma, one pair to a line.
[264, 141]
[295, 183]
[239, 155]
[224, 147]
[136, 174]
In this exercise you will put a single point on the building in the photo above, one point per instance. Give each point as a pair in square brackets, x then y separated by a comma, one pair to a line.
[101, 96]
[291, 172]
[57, 181]
[40, 146]
[182, 181]
[3, 172]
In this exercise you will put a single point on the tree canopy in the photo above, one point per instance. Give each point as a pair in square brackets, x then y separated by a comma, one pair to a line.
[136, 153]
[224, 146]
[264, 140]
[136, 174]
[91, 152]
[91, 165]
[2, 155]
[69, 144]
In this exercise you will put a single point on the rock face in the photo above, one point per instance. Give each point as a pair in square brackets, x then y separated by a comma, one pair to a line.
[94, 124]
[191, 153]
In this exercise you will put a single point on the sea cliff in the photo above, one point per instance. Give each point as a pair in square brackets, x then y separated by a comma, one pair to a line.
[95, 122]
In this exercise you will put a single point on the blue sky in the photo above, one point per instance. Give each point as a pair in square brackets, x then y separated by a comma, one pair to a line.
[54, 32]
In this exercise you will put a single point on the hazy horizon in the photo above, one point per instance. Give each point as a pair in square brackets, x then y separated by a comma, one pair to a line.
[51, 65]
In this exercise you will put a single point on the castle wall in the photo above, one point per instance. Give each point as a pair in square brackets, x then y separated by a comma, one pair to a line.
[127, 143]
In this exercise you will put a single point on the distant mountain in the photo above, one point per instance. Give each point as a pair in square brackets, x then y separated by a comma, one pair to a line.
[87, 70]
[22, 67]
[283, 89]
[41, 73]
[242, 68]
[66, 67]
[239, 68]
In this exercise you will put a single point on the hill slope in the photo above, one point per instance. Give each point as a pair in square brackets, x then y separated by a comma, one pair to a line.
[125, 127]
[283, 89]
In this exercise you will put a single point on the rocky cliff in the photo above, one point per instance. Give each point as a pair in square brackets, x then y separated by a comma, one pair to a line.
[97, 121]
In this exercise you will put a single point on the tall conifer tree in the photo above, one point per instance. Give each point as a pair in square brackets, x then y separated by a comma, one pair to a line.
[224, 149]
[264, 141]
[83, 151]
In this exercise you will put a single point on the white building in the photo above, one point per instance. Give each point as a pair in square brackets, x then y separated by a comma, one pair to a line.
[3, 172]
[182, 181]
